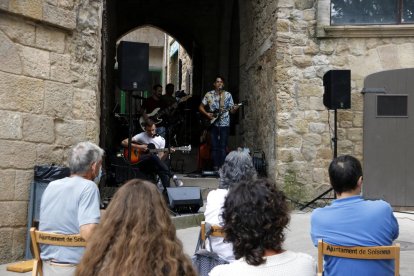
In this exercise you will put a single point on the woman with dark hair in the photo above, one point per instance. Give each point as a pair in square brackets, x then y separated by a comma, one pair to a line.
[255, 215]
[237, 167]
[135, 237]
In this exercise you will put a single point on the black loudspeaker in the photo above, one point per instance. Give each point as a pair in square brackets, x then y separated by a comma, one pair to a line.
[185, 199]
[337, 85]
[133, 65]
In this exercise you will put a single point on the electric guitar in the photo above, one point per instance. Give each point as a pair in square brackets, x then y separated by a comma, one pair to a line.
[136, 154]
[156, 114]
[218, 112]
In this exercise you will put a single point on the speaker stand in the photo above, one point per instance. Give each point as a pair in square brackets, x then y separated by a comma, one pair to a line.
[335, 154]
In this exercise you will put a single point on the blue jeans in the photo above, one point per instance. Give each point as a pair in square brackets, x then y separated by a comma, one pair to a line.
[219, 138]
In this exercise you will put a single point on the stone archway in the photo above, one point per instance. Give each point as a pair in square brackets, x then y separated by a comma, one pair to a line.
[208, 30]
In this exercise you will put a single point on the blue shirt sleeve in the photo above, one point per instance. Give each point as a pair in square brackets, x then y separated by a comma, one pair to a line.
[89, 211]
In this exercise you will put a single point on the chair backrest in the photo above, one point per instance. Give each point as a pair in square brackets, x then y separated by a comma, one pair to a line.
[359, 252]
[211, 230]
[40, 237]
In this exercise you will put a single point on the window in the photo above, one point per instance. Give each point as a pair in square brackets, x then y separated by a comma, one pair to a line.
[363, 12]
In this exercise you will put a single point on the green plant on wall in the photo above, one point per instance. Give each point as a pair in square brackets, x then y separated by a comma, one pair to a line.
[293, 189]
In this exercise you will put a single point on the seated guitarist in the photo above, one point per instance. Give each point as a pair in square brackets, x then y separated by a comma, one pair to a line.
[215, 101]
[151, 163]
[154, 102]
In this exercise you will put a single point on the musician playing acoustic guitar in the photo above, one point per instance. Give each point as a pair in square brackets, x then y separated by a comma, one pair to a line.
[151, 163]
[221, 101]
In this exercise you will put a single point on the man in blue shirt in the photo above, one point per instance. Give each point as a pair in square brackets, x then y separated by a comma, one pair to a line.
[71, 206]
[352, 221]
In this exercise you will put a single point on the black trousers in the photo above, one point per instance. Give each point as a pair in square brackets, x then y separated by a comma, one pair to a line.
[151, 163]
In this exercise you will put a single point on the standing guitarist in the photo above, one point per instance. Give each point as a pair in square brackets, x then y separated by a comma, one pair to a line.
[151, 162]
[154, 102]
[221, 101]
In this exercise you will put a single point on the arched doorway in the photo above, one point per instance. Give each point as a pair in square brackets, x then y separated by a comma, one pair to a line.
[208, 30]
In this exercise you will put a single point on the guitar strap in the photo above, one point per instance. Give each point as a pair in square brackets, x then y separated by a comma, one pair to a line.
[221, 105]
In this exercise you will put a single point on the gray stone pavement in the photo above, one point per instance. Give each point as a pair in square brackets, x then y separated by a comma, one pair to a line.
[298, 239]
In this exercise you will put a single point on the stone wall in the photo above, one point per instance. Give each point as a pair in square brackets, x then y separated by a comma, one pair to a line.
[49, 97]
[283, 61]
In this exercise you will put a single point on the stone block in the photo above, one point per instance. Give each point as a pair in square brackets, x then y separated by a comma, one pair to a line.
[92, 131]
[29, 8]
[50, 39]
[306, 90]
[17, 30]
[311, 48]
[70, 132]
[36, 63]
[4, 4]
[60, 68]
[13, 213]
[324, 153]
[354, 134]
[16, 154]
[290, 155]
[9, 56]
[405, 55]
[59, 16]
[21, 93]
[312, 139]
[318, 128]
[285, 3]
[38, 128]
[283, 26]
[309, 15]
[283, 120]
[302, 61]
[327, 47]
[339, 61]
[358, 120]
[58, 99]
[22, 184]
[19, 243]
[7, 184]
[300, 126]
[50, 154]
[316, 103]
[388, 55]
[288, 140]
[84, 104]
[6, 242]
[10, 125]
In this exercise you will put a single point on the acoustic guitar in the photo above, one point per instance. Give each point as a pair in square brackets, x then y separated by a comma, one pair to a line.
[137, 155]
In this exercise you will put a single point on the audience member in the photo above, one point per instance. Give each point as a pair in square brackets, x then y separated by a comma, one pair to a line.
[71, 206]
[352, 221]
[136, 237]
[237, 166]
[255, 215]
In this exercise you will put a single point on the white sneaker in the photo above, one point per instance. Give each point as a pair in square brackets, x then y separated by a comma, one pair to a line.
[177, 182]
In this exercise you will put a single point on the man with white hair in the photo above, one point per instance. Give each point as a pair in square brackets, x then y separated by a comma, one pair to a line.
[71, 206]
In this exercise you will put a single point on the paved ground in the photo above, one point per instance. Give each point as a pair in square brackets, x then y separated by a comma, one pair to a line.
[298, 240]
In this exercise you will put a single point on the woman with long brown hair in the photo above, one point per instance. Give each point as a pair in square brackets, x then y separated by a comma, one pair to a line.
[135, 237]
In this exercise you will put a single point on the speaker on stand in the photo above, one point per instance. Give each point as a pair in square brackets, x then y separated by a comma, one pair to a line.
[133, 69]
[337, 95]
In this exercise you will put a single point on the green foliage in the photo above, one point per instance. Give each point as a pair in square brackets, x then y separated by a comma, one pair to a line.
[293, 189]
